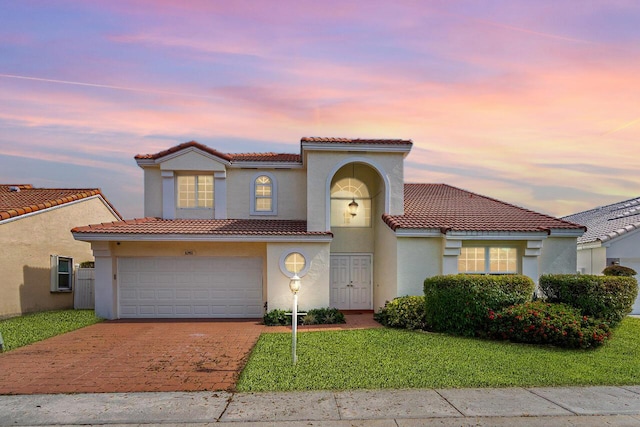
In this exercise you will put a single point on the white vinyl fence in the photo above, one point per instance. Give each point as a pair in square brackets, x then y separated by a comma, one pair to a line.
[83, 297]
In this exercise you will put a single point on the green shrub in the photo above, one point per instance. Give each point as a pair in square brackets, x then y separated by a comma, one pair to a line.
[540, 322]
[315, 316]
[276, 318]
[403, 312]
[87, 264]
[619, 270]
[323, 316]
[607, 297]
[458, 304]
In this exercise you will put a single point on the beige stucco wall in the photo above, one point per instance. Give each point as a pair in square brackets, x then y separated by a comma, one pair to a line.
[152, 192]
[322, 165]
[192, 161]
[559, 256]
[292, 193]
[27, 244]
[314, 290]
[385, 266]
[418, 258]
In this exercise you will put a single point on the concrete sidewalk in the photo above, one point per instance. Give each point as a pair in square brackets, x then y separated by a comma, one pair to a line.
[562, 406]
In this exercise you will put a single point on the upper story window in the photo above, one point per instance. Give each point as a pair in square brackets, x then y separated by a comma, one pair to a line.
[264, 192]
[350, 204]
[488, 260]
[195, 191]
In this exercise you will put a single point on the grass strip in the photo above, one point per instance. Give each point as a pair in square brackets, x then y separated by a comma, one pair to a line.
[391, 358]
[23, 330]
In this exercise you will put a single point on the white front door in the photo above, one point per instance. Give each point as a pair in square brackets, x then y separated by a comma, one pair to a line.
[351, 282]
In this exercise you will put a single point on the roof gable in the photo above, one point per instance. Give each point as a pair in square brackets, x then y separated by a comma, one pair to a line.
[28, 199]
[605, 223]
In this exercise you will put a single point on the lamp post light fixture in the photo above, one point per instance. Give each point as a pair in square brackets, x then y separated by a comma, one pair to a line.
[294, 286]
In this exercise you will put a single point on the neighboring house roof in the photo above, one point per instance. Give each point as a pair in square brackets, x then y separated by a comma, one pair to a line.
[204, 227]
[608, 222]
[22, 199]
[447, 208]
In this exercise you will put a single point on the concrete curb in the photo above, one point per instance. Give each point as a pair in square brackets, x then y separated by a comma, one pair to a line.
[570, 406]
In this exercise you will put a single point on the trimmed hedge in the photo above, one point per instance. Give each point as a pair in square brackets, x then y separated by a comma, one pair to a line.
[607, 297]
[458, 304]
[619, 270]
[315, 316]
[540, 322]
[403, 312]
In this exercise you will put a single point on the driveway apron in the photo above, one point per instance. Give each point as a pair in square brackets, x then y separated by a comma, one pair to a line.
[133, 356]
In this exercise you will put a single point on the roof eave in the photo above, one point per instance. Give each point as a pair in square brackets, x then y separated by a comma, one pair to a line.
[265, 165]
[142, 237]
[345, 146]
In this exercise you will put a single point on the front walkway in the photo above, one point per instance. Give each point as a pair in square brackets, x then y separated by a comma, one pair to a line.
[143, 356]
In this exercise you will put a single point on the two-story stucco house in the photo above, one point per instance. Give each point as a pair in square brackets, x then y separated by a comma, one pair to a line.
[38, 250]
[224, 233]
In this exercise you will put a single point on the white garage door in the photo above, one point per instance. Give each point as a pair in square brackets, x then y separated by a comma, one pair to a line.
[221, 287]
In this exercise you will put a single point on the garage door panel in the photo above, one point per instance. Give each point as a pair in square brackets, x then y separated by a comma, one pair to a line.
[190, 287]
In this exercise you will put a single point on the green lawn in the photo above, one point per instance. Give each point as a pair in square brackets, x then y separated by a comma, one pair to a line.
[27, 329]
[390, 358]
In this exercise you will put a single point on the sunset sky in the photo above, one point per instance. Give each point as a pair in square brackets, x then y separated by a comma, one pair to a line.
[536, 103]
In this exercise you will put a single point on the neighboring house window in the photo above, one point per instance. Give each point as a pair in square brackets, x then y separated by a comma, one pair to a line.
[195, 191]
[345, 192]
[488, 260]
[294, 262]
[264, 193]
[61, 274]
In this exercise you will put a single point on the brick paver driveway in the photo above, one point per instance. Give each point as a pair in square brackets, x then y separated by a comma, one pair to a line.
[128, 356]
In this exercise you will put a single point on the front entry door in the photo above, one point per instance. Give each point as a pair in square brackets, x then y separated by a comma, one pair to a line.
[351, 282]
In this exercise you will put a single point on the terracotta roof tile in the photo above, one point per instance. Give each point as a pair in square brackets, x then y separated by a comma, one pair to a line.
[443, 207]
[212, 227]
[28, 199]
[182, 146]
[230, 157]
[265, 157]
[325, 140]
[608, 222]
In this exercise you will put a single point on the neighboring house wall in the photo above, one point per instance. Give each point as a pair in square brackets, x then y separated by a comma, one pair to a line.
[28, 242]
[592, 261]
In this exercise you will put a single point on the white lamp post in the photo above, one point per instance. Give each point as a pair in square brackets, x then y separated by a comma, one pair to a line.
[294, 285]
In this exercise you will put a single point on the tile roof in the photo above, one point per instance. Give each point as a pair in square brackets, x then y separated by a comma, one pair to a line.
[230, 157]
[182, 146]
[447, 208]
[608, 222]
[28, 199]
[209, 227]
[323, 140]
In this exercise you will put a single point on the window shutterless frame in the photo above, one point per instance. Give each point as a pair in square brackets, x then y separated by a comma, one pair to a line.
[61, 273]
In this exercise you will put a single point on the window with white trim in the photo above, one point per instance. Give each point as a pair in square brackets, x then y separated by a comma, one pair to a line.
[264, 194]
[195, 191]
[488, 260]
[61, 273]
[294, 262]
[344, 193]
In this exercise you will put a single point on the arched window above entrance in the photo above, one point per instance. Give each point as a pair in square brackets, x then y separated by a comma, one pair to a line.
[350, 203]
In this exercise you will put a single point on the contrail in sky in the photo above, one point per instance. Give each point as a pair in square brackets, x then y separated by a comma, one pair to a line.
[624, 126]
[130, 89]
